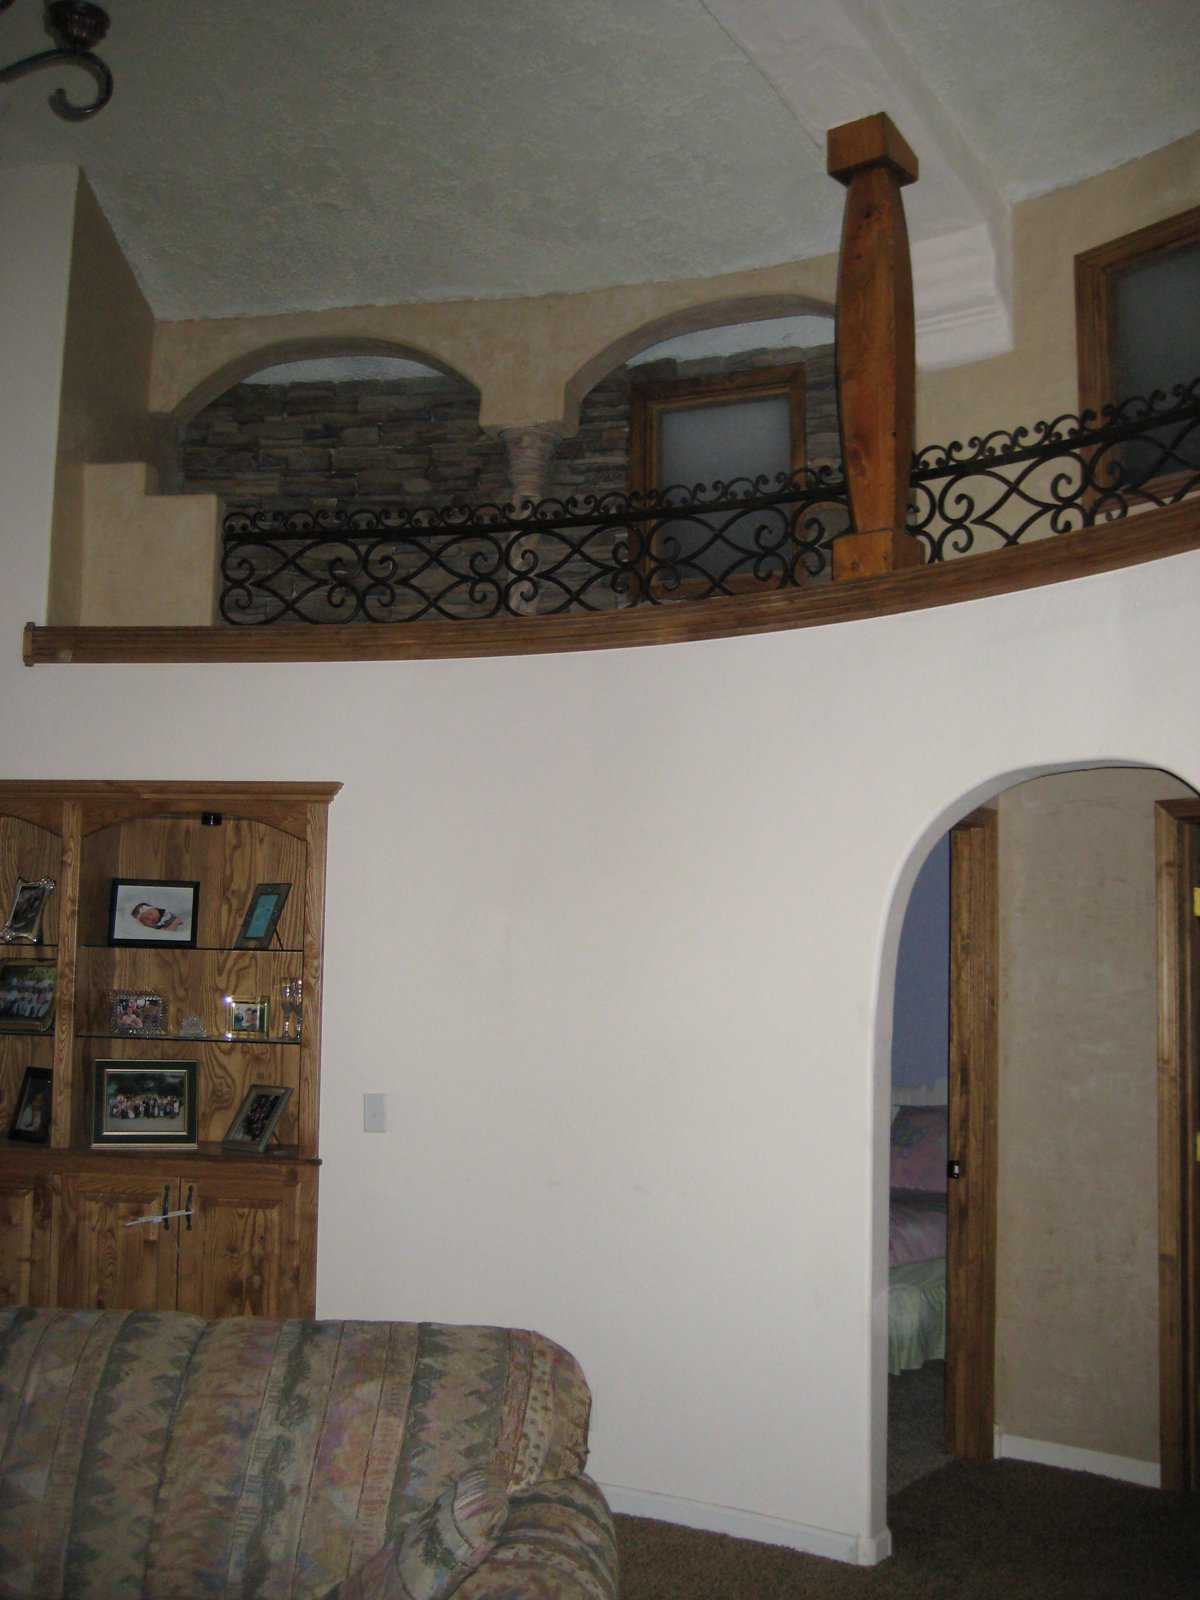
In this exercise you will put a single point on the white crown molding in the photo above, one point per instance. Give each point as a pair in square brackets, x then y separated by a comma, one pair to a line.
[962, 298]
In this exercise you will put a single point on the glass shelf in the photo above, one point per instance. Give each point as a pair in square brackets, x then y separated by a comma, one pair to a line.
[195, 949]
[191, 1038]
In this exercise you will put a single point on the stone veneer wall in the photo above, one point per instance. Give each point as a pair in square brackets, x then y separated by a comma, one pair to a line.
[417, 441]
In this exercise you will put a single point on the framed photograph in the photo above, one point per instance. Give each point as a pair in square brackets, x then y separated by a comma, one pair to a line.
[31, 1118]
[140, 1105]
[137, 1014]
[27, 996]
[150, 912]
[24, 923]
[256, 1117]
[262, 915]
[243, 1017]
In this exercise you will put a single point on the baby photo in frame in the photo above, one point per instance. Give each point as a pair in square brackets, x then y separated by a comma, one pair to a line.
[148, 912]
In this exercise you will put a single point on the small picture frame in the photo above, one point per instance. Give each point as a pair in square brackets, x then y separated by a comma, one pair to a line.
[142, 1105]
[262, 916]
[27, 996]
[24, 925]
[149, 912]
[244, 1018]
[31, 1116]
[254, 1123]
[135, 1014]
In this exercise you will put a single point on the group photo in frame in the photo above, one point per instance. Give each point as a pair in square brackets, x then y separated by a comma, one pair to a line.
[136, 1014]
[149, 912]
[31, 1115]
[24, 925]
[256, 1117]
[141, 1105]
[27, 996]
[262, 916]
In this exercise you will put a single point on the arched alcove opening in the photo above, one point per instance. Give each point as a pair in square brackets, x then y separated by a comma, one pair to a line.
[320, 428]
[742, 394]
[1061, 1359]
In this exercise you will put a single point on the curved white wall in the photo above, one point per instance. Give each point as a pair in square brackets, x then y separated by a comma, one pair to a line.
[611, 930]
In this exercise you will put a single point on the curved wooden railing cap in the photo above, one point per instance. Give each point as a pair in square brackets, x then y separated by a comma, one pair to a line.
[876, 345]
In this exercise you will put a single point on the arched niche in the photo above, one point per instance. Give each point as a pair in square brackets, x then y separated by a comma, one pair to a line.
[698, 318]
[325, 422]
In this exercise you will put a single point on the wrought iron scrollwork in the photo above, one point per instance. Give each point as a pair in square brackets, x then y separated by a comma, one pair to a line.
[600, 552]
[78, 27]
[1062, 474]
[586, 553]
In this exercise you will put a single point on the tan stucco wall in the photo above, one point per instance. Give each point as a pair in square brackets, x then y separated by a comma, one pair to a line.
[106, 371]
[1077, 1268]
[1038, 379]
[531, 359]
[145, 554]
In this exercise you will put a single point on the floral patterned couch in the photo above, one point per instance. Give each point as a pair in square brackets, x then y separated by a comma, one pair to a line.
[162, 1456]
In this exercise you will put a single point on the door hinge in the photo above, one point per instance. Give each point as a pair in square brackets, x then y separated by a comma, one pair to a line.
[1196, 902]
[954, 1171]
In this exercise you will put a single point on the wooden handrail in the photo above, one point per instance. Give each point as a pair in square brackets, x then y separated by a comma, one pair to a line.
[1125, 543]
[876, 346]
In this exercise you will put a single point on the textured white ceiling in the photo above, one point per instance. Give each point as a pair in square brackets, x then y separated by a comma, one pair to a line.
[288, 154]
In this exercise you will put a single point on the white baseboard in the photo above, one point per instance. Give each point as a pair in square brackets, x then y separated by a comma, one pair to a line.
[1046, 1454]
[863, 1551]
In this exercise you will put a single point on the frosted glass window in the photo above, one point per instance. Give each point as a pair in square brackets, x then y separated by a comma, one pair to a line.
[698, 444]
[1156, 324]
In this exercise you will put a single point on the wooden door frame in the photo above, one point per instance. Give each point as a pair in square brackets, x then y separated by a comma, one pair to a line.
[1177, 855]
[973, 1095]
[971, 1113]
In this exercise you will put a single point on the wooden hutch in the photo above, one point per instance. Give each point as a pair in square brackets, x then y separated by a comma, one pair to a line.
[203, 1229]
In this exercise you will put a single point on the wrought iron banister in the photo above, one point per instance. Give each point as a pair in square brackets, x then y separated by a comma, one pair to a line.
[596, 553]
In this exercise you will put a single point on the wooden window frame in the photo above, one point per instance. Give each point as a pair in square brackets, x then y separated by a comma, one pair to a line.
[1095, 309]
[649, 401]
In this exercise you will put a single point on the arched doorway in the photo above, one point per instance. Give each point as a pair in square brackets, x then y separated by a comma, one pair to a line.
[1055, 885]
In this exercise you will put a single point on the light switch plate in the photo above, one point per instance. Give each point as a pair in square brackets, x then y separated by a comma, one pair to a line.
[374, 1113]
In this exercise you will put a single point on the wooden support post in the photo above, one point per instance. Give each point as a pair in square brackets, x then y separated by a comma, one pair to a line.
[876, 358]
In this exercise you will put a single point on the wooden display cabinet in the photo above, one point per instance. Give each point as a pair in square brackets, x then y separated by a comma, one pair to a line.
[84, 1226]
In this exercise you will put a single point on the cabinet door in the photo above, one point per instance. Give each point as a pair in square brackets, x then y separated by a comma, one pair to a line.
[239, 1257]
[111, 1260]
[26, 1215]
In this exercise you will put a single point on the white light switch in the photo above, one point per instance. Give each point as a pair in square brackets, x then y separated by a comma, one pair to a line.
[374, 1113]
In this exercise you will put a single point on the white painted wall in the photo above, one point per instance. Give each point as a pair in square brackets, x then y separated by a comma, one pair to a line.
[611, 932]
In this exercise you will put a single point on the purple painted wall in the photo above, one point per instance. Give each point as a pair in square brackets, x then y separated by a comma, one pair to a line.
[921, 1018]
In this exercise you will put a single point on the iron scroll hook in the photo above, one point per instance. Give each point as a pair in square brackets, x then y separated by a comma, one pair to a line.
[77, 25]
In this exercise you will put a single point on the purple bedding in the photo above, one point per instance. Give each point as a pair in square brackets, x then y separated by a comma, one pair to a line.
[917, 1226]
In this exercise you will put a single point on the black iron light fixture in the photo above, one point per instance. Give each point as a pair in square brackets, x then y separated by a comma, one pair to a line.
[75, 26]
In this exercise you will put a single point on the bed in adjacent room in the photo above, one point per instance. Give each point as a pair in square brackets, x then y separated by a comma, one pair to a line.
[917, 1234]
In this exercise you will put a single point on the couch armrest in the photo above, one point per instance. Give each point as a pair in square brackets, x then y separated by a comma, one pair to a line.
[557, 1544]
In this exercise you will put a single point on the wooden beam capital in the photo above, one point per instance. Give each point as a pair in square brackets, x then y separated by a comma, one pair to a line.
[872, 141]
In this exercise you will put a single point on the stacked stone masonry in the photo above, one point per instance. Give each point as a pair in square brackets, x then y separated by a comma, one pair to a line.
[417, 441]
